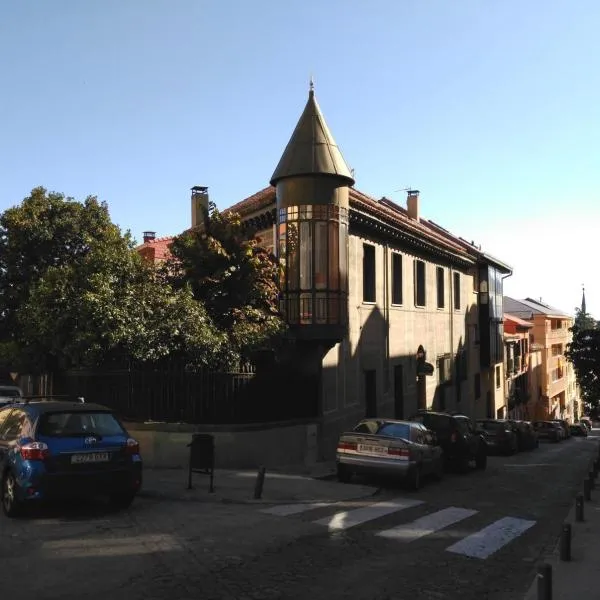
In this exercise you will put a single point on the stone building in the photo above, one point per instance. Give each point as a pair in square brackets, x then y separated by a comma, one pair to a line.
[388, 311]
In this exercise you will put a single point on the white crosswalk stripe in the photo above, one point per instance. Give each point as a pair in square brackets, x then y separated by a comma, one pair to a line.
[346, 519]
[284, 510]
[481, 544]
[428, 524]
[490, 539]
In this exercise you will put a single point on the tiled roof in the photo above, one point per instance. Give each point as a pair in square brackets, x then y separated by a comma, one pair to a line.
[158, 246]
[529, 307]
[517, 320]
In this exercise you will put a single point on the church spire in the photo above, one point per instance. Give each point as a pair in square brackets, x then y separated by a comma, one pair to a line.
[583, 307]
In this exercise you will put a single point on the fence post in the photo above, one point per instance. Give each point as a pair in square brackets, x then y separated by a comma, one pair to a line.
[544, 577]
[587, 490]
[260, 481]
[565, 542]
[579, 507]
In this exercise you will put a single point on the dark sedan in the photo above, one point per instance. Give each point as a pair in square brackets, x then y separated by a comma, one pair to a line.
[500, 436]
[549, 430]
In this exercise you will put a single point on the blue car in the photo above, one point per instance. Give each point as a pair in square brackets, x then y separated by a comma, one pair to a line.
[58, 449]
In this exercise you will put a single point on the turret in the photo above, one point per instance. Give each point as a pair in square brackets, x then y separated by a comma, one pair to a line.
[313, 182]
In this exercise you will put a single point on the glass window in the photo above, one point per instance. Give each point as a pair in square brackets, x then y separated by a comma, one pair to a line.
[343, 256]
[441, 292]
[396, 278]
[9, 392]
[79, 423]
[456, 291]
[369, 427]
[13, 425]
[335, 265]
[397, 430]
[419, 282]
[3, 416]
[369, 273]
[306, 250]
[293, 256]
[321, 255]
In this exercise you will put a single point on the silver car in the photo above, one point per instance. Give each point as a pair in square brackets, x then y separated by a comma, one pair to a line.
[388, 447]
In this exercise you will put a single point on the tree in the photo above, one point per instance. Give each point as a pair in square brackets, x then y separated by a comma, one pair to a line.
[232, 276]
[584, 353]
[74, 292]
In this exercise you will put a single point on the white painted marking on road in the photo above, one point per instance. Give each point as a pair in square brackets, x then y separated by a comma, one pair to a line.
[346, 519]
[428, 524]
[533, 465]
[284, 510]
[491, 538]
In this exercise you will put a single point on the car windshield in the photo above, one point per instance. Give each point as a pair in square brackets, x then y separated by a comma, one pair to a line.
[397, 430]
[79, 423]
[7, 392]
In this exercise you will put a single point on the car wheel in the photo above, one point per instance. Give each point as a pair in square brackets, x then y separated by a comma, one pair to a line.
[415, 479]
[481, 460]
[344, 474]
[121, 501]
[10, 504]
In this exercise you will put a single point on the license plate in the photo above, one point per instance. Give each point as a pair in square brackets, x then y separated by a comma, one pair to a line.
[370, 449]
[91, 457]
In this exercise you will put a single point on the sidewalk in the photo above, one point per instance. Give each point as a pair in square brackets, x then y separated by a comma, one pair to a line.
[579, 578]
[238, 487]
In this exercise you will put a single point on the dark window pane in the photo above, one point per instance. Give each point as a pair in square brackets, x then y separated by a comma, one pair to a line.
[306, 251]
[321, 255]
[398, 430]
[76, 424]
[334, 256]
[441, 292]
[293, 256]
[396, 278]
[368, 273]
[456, 291]
[419, 277]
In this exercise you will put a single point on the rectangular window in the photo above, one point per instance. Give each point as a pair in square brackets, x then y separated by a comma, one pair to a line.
[444, 366]
[477, 385]
[456, 291]
[396, 278]
[441, 292]
[556, 349]
[498, 376]
[368, 273]
[420, 298]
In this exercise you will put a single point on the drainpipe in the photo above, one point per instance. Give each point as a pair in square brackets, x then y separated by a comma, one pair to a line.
[386, 316]
[451, 312]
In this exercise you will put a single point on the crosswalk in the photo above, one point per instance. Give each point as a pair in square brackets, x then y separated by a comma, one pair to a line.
[479, 544]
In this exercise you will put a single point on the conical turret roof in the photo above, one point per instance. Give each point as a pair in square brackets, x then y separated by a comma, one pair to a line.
[312, 149]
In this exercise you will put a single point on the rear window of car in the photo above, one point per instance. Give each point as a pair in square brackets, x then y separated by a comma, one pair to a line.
[7, 392]
[78, 423]
[433, 422]
[397, 430]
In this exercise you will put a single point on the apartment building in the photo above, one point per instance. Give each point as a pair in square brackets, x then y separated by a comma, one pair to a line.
[517, 367]
[550, 333]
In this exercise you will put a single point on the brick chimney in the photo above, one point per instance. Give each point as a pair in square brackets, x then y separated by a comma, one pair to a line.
[149, 236]
[412, 204]
[199, 204]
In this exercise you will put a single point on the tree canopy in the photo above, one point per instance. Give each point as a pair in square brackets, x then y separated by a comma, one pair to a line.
[233, 276]
[584, 353]
[74, 292]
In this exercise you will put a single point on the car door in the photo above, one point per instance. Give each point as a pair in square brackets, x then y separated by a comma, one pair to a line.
[3, 418]
[418, 438]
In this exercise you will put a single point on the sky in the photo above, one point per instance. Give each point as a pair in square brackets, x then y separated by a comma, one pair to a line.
[490, 109]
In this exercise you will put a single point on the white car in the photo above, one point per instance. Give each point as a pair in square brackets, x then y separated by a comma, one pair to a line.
[9, 394]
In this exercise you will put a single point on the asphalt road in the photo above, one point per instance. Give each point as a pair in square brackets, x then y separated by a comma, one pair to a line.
[474, 536]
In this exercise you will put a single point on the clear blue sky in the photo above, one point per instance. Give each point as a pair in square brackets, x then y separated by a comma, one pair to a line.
[491, 109]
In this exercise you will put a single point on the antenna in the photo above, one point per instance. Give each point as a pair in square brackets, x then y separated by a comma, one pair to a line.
[406, 189]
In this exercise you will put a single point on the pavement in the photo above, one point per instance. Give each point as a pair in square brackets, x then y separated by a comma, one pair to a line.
[477, 536]
[580, 576]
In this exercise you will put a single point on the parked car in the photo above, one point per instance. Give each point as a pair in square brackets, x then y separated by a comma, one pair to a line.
[587, 422]
[500, 435]
[389, 447]
[549, 430]
[565, 426]
[458, 437]
[58, 449]
[578, 430]
[528, 437]
[9, 394]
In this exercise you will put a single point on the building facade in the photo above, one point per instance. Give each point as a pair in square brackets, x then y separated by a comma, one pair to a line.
[387, 311]
[517, 368]
[550, 332]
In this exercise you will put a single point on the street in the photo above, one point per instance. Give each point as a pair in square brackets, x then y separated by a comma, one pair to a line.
[473, 536]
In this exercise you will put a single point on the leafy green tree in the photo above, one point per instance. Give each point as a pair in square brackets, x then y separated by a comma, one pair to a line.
[584, 353]
[234, 277]
[74, 292]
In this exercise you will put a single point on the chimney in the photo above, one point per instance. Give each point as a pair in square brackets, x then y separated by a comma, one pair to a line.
[199, 204]
[149, 236]
[412, 204]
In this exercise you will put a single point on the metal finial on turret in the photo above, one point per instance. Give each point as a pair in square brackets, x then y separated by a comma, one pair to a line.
[311, 85]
